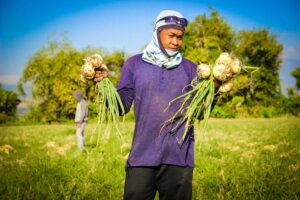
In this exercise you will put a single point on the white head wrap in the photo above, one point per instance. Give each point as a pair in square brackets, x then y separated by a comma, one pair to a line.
[153, 53]
[163, 14]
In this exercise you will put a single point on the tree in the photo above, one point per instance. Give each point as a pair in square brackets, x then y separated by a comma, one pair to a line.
[293, 102]
[8, 105]
[54, 73]
[259, 48]
[296, 74]
[206, 37]
[114, 62]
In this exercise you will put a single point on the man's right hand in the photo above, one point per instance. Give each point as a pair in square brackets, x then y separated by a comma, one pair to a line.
[100, 74]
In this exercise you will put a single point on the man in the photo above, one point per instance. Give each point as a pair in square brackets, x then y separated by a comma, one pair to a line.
[157, 162]
[81, 118]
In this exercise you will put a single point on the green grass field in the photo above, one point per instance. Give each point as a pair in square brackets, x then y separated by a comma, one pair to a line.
[235, 159]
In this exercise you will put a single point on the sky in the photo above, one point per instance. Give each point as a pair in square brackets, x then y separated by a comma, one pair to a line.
[26, 25]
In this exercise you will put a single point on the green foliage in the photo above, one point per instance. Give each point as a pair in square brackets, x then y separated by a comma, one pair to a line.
[259, 48]
[114, 63]
[54, 73]
[206, 37]
[296, 74]
[292, 103]
[8, 105]
[223, 112]
[231, 109]
[268, 112]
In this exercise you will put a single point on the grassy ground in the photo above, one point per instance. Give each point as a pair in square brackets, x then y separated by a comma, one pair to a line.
[235, 159]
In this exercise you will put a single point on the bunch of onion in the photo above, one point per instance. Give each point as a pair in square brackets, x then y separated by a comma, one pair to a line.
[88, 68]
[197, 103]
[109, 104]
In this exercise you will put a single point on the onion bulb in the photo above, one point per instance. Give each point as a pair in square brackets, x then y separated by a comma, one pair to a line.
[236, 66]
[95, 60]
[224, 59]
[87, 71]
[219, 72]
[226, 87]
[203, 71]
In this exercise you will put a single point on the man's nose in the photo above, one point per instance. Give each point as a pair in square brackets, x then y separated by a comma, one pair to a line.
[175, 41]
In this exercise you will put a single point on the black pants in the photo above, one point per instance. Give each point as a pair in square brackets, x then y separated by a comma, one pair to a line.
[171, 182]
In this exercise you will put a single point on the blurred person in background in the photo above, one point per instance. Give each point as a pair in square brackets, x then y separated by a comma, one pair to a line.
[81, 118]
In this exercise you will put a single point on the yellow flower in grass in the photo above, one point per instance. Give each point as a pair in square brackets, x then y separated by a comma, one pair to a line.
[7, 149]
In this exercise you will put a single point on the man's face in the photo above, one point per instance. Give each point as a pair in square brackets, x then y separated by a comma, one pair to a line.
[171, 39]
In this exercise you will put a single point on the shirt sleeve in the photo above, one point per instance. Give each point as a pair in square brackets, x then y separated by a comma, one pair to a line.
[126, 86]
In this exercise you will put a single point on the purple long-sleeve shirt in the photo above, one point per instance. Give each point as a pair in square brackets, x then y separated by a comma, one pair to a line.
[151, 88]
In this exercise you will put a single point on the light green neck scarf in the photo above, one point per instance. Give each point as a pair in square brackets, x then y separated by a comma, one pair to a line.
[153, 54]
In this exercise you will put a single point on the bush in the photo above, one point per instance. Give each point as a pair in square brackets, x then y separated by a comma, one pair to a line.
[294, 105]
[8, 105]
[6, 118]
[267, 112]
[221, 112]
